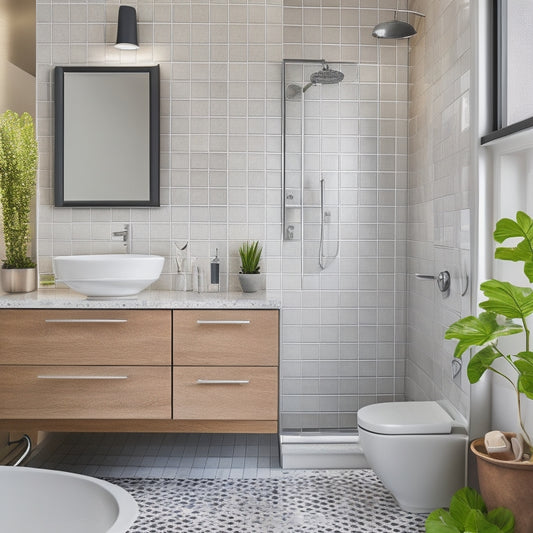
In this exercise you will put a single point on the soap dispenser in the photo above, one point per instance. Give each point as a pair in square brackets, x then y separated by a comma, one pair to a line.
[214, 286]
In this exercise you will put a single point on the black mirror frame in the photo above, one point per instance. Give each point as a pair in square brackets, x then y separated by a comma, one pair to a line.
[59, 175]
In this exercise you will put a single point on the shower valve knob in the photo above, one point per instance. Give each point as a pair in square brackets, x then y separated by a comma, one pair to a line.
[443, 279]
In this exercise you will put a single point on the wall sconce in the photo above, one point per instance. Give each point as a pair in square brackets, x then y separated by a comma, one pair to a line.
[127, 29]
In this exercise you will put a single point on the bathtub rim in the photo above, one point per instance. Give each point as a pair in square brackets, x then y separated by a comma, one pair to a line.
[128, 509]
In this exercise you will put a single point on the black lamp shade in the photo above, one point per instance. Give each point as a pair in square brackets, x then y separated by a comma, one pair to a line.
[127, 29]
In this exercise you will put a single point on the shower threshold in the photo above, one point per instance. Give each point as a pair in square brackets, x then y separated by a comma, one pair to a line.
[321, 450]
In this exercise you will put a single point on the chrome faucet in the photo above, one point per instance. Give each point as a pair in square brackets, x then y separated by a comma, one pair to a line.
[125, 235]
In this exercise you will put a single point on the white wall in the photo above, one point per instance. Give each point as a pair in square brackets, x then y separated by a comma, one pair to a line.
[442, 192]
[512, 169]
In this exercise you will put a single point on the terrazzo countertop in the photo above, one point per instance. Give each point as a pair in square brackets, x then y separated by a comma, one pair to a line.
[155, 299]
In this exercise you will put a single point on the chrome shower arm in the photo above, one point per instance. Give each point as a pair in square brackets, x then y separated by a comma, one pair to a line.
[410, 11]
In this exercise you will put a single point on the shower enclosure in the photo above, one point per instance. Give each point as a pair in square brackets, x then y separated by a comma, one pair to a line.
[318, 154]
[344, 246]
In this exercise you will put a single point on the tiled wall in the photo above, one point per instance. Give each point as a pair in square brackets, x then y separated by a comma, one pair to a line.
[220, 128]
[343, 331]
[441, 193]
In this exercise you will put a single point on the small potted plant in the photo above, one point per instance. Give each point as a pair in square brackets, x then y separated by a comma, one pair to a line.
[504, 483]
[18, 168]
[249, 275]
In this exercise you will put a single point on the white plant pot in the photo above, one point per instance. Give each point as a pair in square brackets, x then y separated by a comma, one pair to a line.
[251, 282]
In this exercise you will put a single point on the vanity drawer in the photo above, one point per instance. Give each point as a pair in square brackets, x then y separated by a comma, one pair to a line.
[243, 337]
[105, 392]
[225, 393]
[85, 337]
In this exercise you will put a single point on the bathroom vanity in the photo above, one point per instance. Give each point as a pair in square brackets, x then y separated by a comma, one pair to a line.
[165, 362]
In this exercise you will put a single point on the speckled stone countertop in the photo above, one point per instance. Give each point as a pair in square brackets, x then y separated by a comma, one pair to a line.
[156, 299]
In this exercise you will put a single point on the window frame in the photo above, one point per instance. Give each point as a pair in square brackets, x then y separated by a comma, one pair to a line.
[498, 39]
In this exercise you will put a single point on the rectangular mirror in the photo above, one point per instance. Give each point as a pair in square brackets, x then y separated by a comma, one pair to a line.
[106, 136]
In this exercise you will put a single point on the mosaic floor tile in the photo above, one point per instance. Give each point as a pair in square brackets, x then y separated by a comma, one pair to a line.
[350, 501]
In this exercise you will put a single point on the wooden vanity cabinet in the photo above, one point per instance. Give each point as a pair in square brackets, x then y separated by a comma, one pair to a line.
[85, 337]
[226, 366]
[139, 370]
[85, 364]
[85, 392]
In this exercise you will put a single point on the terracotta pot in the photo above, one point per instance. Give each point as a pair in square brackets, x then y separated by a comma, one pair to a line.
[19, 279]
[506, 484]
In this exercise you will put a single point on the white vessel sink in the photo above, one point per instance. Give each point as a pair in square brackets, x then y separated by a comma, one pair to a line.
[108, 275]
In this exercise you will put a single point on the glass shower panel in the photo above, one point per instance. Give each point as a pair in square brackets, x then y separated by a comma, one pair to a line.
[320, 152]
[343, 262]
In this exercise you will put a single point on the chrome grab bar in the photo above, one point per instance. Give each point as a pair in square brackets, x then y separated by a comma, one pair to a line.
[85, 320]
[223, 321]
[80, 377]
[222, 381]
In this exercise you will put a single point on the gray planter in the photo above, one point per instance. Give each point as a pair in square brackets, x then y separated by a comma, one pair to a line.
[18, 279]
[251, 282]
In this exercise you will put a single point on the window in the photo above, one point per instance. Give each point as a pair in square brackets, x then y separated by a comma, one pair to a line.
[512, 75]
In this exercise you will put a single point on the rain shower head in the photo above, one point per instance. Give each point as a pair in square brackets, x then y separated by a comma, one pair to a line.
[326, 76]
[396, 29]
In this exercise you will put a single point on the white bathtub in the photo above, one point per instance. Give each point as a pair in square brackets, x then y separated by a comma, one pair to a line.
[47, 501]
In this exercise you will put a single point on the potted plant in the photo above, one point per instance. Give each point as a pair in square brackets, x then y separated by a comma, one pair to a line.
[504, 483]
[249, 276]
[18, 167]
[468, 512]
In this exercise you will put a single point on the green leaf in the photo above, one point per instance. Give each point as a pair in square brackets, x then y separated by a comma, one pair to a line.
[507, 299]
[526, 357]
[507, 228]
[528, 270]
[463, 501]
[503, 518]
[481, 362]
[524, 364]
[440, 521]
[523, 227]
[525, 378]
[478, 331]
[477, 523]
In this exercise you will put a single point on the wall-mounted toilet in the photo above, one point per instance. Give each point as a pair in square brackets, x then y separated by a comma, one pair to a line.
[417, 450]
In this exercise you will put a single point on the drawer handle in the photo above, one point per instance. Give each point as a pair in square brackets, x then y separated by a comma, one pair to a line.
[222, 321]
[85, 320]
[222, 381]
[81, 377]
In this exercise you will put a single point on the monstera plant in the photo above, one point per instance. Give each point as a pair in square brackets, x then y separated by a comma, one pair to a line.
[506, 311]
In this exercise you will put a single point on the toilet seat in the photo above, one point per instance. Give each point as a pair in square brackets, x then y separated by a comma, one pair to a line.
[405, 418]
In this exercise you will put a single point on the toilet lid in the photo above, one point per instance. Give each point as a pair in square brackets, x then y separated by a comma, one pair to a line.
[405, 418]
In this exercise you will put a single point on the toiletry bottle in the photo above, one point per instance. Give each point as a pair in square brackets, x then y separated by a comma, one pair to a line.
[215, 274]
[195, 275]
